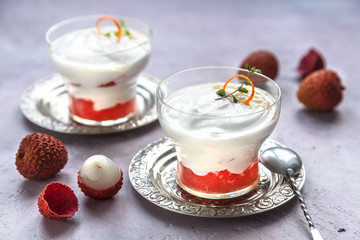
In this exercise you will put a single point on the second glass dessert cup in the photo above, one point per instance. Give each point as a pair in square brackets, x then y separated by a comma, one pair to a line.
[100, 64]
[217, 139]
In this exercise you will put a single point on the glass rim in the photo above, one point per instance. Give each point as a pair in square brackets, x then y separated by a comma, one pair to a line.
[161, 99]
[68, 21]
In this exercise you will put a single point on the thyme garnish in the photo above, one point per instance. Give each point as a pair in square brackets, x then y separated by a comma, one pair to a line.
[222, 93]
[124, 28]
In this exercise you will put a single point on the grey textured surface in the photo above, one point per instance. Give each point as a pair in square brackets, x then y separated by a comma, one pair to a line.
[190, 34]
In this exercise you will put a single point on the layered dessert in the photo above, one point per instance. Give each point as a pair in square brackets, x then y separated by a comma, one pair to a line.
[217, 139]
[101, 70]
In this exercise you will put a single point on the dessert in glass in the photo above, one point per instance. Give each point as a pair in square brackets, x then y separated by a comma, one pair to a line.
[217, 119]
[100, 59]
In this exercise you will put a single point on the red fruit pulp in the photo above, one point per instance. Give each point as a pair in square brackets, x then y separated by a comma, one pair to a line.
[218, 182]
[84, 108]
[108, 84]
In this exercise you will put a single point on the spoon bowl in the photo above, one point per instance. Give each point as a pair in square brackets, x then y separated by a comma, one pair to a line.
[280, 159]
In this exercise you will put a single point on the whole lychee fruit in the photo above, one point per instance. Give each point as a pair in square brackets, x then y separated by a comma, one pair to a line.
[57, 201]
[263, 60]
[321, 90]
[40, 156]
[311, 62]
[100, 178]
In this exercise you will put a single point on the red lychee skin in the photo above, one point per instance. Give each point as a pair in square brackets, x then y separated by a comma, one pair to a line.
[40, 156]
[263, 60]
[57, 201]
[321, 90]
[311, 62]
[101, 194]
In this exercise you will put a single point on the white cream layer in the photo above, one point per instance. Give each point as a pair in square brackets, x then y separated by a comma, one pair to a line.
[99, 172]
[88, 60]
[213, 135]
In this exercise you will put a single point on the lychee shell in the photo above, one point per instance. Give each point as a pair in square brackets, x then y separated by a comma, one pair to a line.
[57, 201]
[321, 90]
[263, 60]
[101, 194]
[40, 156]
[311, 62]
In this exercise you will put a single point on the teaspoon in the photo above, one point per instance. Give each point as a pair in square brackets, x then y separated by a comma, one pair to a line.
[288, 163]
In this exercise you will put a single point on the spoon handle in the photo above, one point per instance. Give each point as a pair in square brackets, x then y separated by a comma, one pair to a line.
[314, 232]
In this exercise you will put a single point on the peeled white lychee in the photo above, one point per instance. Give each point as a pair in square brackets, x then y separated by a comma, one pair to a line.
[100, 177]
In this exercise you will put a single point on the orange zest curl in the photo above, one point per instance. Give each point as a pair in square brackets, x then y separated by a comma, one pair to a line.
[247, 79]
[111, 19]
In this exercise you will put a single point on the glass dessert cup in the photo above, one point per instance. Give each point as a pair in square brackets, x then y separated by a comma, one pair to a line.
[216, 140]
[99, 70]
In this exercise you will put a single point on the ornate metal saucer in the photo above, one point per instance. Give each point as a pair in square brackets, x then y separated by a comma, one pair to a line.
[45, 103]
[152, 174]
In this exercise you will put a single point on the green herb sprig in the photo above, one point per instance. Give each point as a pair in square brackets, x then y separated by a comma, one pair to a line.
[123, 26]
[252, 69]
[222, 94]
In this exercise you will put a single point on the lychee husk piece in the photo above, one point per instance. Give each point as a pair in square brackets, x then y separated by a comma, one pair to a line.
[263, 60]
[57, 201]
[321, 90]
[311, 62]
[101, 194]
[40, 156]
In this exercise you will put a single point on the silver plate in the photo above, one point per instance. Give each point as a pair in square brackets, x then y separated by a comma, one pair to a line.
[152, 174]
[45, 103]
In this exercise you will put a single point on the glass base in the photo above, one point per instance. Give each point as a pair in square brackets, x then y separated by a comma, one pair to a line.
[105, 123]
[227, 195]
